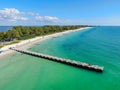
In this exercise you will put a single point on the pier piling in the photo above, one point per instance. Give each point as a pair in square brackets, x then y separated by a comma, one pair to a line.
[61, 60]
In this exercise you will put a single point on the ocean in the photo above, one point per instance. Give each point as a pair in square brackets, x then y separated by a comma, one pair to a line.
[98, 45]
[5, 28]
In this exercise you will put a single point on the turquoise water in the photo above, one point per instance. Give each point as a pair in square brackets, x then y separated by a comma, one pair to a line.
[99, 45]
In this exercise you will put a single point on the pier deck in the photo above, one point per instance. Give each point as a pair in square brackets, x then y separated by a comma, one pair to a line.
[61, 60]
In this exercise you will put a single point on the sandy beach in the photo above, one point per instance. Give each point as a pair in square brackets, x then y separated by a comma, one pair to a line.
[26, 44]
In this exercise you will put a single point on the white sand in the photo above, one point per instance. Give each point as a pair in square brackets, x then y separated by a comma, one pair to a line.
[25, 44]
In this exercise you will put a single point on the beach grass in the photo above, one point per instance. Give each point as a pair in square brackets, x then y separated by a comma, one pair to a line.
[12, 42]
[1, 46]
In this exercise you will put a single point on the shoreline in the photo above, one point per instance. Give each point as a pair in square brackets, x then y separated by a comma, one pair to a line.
[26, 44]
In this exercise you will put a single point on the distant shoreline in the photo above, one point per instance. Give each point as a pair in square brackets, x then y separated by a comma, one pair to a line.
[26, 44]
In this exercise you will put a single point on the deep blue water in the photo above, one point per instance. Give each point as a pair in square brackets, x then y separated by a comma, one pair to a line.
[5, 28]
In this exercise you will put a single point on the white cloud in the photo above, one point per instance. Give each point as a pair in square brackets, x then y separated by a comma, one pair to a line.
[32, 13]
[11, 14]
[46, 18]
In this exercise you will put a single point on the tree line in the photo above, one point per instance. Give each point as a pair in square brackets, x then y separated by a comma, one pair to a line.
[26, 32]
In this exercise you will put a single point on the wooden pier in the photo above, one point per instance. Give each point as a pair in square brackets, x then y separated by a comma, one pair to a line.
[61, 60]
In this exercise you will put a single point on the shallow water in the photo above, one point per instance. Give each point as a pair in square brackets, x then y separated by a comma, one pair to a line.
[99, 45]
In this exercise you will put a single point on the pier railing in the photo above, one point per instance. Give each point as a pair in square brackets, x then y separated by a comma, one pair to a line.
[61, 60]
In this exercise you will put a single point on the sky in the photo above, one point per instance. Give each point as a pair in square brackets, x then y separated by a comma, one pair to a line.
[59, 12]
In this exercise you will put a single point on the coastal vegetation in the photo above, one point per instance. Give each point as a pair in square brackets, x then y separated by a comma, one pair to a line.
[26, 32]
[8, 43]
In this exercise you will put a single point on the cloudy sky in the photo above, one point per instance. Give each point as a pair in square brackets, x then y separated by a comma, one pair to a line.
[59, 12]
